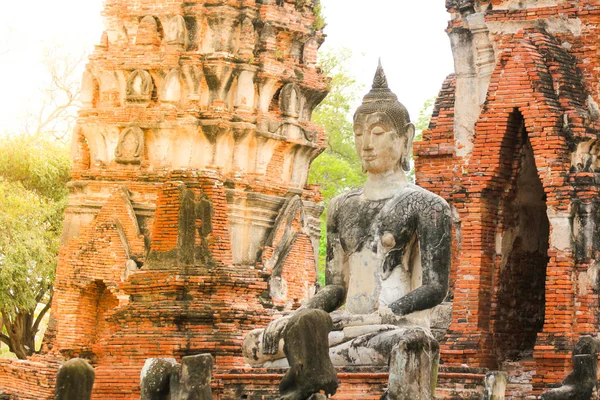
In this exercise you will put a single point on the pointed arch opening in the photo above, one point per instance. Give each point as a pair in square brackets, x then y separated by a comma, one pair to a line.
[522, 241]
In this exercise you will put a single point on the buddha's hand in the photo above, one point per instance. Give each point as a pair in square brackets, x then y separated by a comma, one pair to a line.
[273, 335]
[387, 315]
[340, 319]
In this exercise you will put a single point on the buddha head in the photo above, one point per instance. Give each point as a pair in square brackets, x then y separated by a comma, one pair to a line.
[383, 133]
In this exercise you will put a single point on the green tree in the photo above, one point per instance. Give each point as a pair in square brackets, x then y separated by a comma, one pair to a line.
[421, 124]
[338, 168]
[33, 193]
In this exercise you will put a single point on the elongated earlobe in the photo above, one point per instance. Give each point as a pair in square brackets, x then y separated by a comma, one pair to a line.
[405, 162]
[409, 130]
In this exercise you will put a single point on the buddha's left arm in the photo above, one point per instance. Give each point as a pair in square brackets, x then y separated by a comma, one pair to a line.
[434, 232]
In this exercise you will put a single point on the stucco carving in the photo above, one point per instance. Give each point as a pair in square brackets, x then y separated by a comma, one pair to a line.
[139, 86]
[147, 33]
[170, 91]
[130, 148]
[175, 31]
[289, 100]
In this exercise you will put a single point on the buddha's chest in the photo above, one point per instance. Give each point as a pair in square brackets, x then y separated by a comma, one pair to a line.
[360, 227]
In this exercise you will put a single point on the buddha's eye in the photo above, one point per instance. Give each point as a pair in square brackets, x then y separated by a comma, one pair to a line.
[378, 130]
[358, 132]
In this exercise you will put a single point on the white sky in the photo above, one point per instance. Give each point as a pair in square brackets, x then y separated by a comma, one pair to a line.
[408, 36]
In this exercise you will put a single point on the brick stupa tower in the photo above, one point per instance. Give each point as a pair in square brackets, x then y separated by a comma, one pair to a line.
[190, 220]
[513, 146]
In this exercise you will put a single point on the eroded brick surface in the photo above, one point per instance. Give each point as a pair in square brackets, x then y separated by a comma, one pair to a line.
[195, 135]
[511, 147]
[195, 130]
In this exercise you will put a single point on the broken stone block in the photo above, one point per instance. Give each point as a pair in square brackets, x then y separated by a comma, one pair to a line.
[155, 378]
[74, 381]
[583, 381]
[165, 379]
[495, 386]
[414, 367]
[306, 347]
[194, 378]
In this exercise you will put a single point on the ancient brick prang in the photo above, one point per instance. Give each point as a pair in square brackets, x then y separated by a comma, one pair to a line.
[194, 135]
[512, 147]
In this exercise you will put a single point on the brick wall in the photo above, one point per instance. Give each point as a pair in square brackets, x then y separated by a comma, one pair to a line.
[187, 108]
[522, 103]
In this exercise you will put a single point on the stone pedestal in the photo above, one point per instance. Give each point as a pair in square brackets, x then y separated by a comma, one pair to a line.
[414, 367]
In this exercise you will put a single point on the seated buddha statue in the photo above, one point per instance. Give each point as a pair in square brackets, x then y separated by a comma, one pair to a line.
[388, 256]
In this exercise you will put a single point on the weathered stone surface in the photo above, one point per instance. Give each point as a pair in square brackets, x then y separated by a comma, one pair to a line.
[441, 318]
[582, 383]
[495, 386]
[194, 378]
[414, 367]
[311, 370]
[165, 379]
[74, 381]
[155, 378]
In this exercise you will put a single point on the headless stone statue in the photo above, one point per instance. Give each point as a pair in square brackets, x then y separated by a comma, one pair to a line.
[74, 380]
[165, 379]
[388, 260]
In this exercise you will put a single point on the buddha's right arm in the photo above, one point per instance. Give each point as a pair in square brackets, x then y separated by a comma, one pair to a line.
[333, 295]
[330, 298]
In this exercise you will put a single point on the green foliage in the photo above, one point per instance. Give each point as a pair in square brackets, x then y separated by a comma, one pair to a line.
[319, 23]
[39, 165]
[33, 177]
[338, 169]
[422, 124]
[27, 247]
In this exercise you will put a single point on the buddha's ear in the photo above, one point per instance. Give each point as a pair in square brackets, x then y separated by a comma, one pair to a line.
[409, 133]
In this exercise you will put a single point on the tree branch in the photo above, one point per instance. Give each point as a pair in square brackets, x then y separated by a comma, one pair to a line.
[5, 339]
[40, 316]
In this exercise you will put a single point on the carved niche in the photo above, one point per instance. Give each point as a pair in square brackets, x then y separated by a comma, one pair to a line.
[309, 53]
[90, 90]
[175, 31]
[147, 33]
[289, 100]
[139, 86]
[248, 38]
[170, 91]
[130, 148]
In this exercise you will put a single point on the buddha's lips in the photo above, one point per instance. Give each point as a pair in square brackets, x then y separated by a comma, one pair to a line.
[370, 157]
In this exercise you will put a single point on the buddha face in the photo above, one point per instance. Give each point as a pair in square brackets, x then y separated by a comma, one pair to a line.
[380, 147]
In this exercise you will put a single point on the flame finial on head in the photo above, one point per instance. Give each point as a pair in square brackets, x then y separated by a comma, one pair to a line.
[380, 90]
[380, 80]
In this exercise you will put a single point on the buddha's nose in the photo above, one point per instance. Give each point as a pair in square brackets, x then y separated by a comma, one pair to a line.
[367, 144]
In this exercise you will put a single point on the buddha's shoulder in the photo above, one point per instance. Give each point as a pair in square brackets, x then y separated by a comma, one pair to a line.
[420, 198]
[352, 196]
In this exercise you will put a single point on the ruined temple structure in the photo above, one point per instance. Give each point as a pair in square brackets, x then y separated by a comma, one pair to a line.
[513, 146]
[190, 220]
